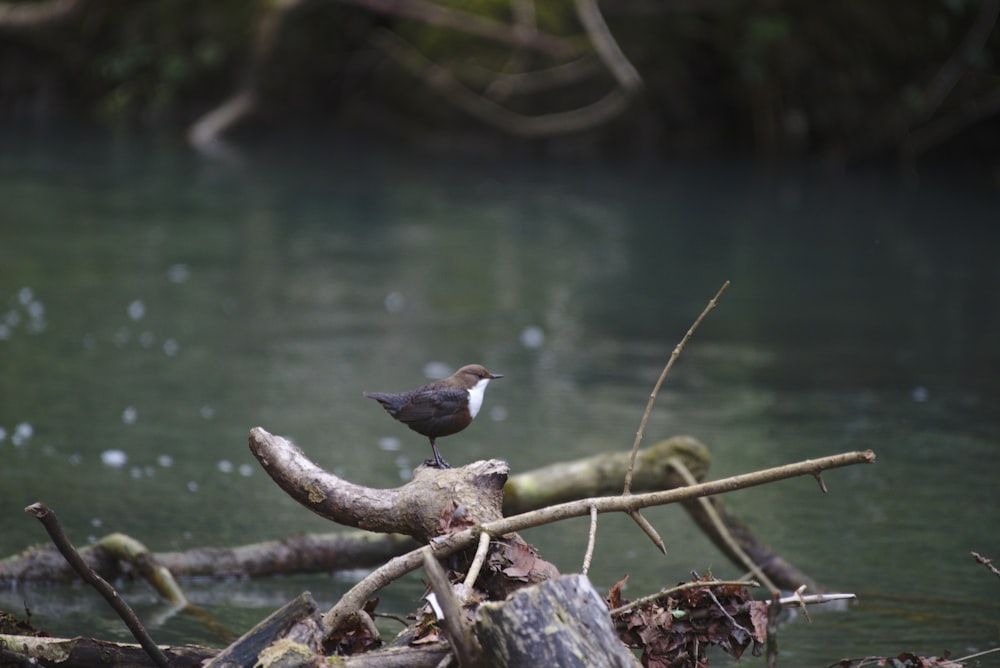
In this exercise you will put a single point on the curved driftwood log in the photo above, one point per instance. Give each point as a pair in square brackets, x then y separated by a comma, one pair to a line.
[425, 507]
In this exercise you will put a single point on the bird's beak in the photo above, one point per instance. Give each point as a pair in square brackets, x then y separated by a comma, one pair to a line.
[494, 376]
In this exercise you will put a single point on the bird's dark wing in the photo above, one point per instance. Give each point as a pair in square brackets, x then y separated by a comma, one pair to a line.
[429, 411]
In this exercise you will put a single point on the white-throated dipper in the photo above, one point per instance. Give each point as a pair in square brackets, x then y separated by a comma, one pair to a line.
[440, 408]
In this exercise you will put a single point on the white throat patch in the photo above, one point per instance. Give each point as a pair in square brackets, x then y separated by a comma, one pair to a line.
[476, 393]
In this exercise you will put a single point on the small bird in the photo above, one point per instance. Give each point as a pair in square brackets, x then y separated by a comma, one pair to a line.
[440, 408]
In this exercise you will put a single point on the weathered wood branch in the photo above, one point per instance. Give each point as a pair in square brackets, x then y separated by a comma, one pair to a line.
[93, 653]
[305, 553]
[422, 508]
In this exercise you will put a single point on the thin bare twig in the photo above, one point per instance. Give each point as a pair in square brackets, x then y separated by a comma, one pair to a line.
[656, 388]
[812, 599]
[48, 518]
[963, 659]
[477, 562]
[591, 539]
[722, 530]
[988, 563]
[820, 482]
[797, 597]
[663, 593]
[648, 529]
[721, 607]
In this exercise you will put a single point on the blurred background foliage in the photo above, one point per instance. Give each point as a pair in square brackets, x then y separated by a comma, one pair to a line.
[772, 77]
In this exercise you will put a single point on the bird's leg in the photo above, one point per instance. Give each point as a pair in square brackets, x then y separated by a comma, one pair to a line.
[438, 462]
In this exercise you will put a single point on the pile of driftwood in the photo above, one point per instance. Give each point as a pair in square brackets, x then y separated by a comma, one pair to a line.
[494, 601]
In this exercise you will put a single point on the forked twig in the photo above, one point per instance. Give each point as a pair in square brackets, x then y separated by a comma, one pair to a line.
[797, 596]
[656, 388]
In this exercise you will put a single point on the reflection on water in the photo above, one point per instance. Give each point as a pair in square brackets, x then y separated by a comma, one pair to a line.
[154, 308]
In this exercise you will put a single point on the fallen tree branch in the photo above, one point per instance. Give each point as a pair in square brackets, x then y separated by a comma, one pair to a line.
[305, 553]
[451, 543]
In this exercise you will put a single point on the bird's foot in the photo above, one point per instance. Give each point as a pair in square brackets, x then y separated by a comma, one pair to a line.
[437, 463]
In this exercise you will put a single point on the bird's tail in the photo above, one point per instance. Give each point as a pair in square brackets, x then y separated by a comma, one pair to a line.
[389, 401]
